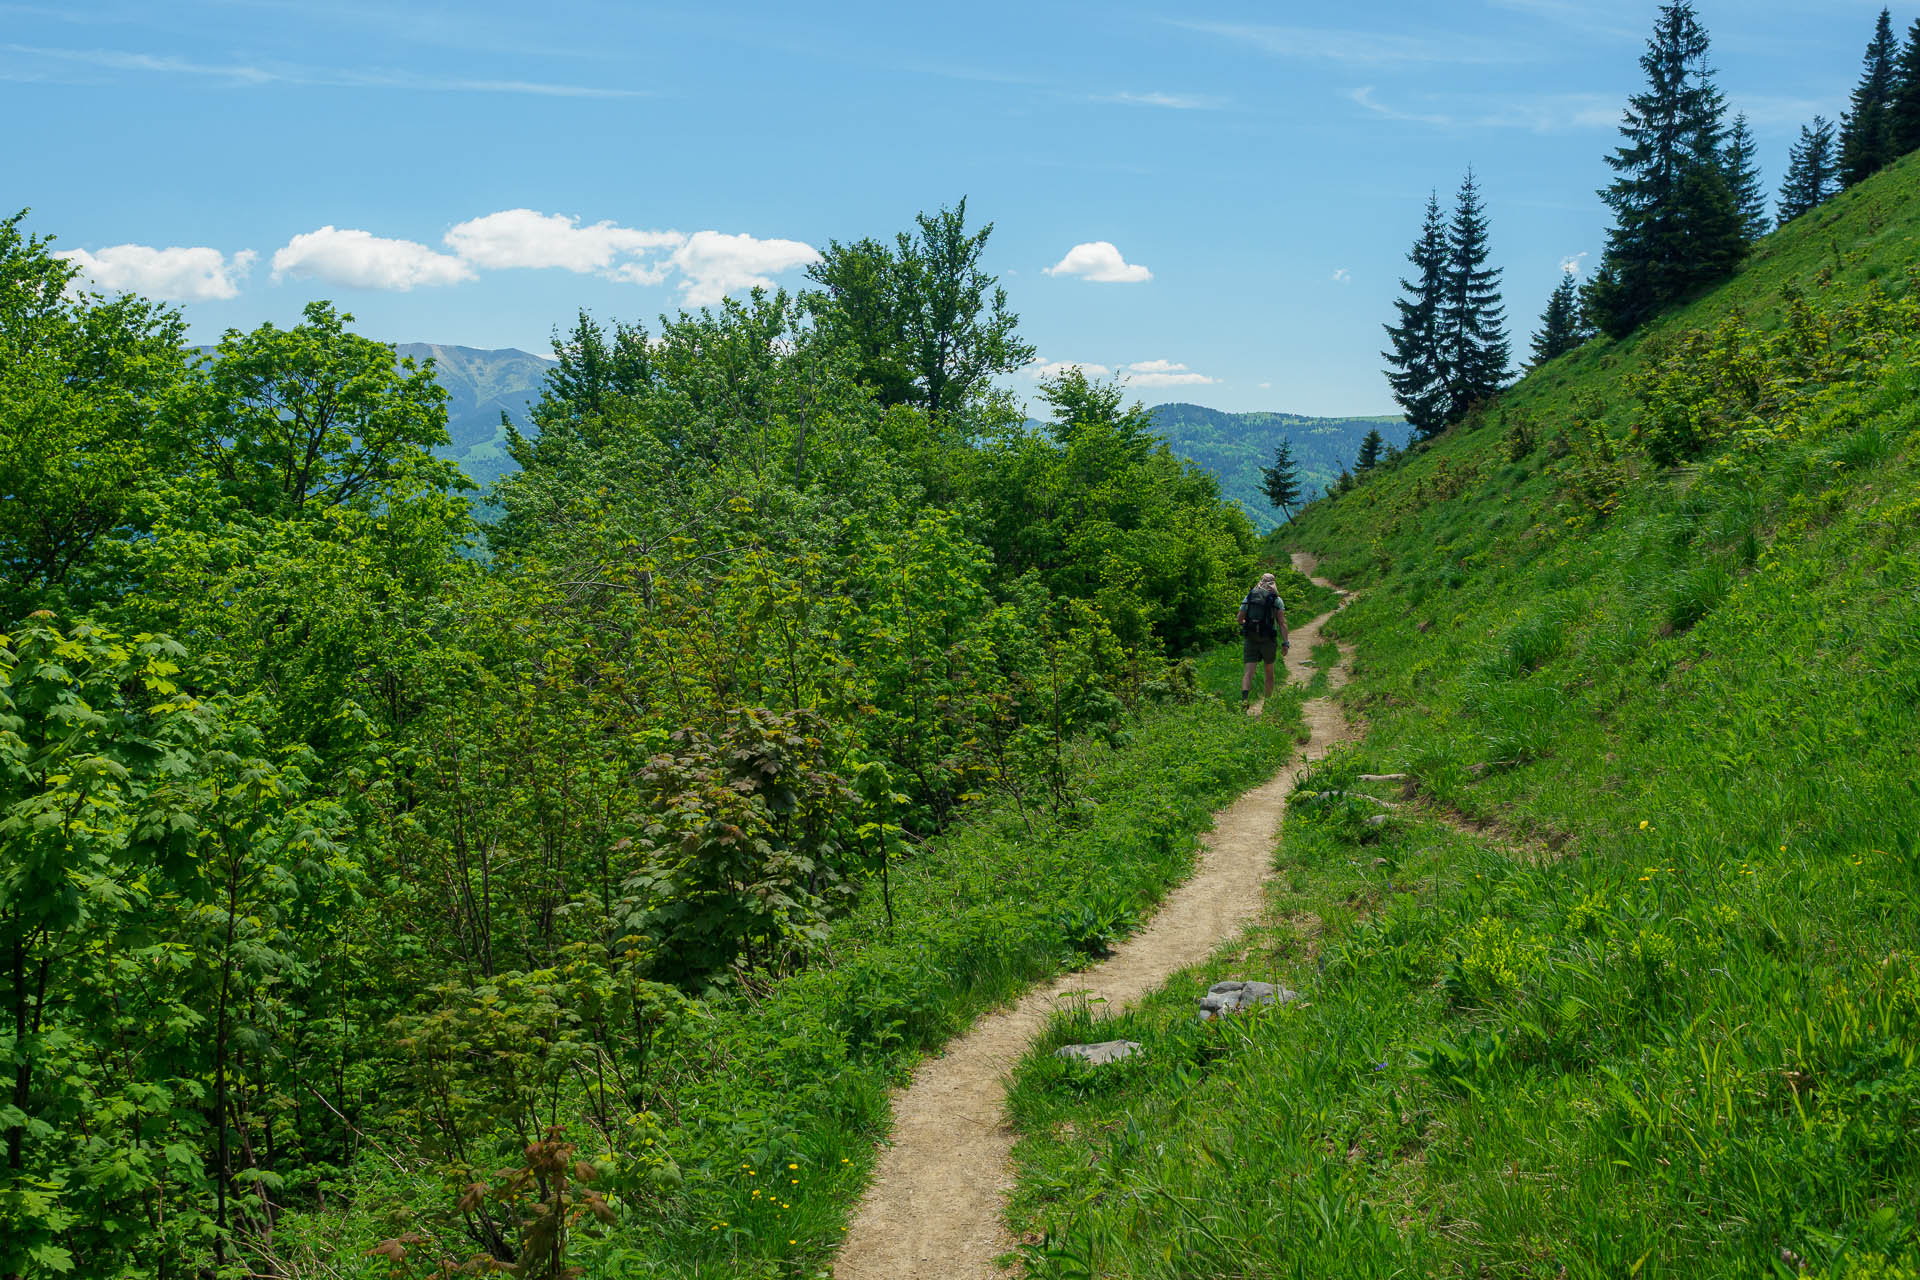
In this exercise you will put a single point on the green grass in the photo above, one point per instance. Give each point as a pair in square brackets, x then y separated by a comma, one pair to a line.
[1668, 1024]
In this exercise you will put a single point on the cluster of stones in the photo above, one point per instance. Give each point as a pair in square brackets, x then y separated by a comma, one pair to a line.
[1222, 998]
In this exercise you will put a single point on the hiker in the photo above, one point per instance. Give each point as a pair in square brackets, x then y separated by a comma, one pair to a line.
[1263, 631]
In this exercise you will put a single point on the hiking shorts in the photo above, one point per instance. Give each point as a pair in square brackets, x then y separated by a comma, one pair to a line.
[1259, 648]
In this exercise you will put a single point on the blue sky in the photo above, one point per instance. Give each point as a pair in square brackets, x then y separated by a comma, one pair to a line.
[1212, 197]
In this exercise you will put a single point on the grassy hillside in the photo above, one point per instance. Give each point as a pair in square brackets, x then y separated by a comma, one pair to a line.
[1627, 985]
[1234, 446]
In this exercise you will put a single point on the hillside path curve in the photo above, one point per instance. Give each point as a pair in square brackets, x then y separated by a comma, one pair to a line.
[934, 1209]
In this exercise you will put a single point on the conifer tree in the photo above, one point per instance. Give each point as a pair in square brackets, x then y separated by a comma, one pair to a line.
[1281, 481]
[1906, 95]
[1370, 446]
[1473, 337]
[1561, 326]
[1677, 225]
[1417, 373]
[1866, 134]
[1812, 171]
[1743, 180]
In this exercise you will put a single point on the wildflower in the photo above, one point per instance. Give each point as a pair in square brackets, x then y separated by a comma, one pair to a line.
[793, 1166]
[1643, 824]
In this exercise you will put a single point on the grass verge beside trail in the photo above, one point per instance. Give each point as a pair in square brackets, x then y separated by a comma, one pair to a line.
[1653, 619]
[769, 1107]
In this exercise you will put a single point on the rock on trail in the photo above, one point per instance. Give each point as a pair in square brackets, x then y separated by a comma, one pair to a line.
[934, 1209]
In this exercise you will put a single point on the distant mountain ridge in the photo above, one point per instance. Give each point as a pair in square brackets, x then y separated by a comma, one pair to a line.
[481, 386]
[1235, 446]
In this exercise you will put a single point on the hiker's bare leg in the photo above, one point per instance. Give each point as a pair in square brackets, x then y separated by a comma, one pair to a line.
[1246, 679]
[1269, 679]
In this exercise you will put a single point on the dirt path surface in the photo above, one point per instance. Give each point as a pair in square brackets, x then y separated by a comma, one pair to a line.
[934, 1209]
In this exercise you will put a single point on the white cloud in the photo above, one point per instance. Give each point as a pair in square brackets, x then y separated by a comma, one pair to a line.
[1163, 373]
[525, 238]
[716, 264]
[174, 274]
[1342, 276]
[1171, 101]
[1044, 368]
[1361, 48]
[1099, 261]
[1542, 113]
[1140, 373]
[362, 260]
[709, 264]
[1571, 265]
[245, 74]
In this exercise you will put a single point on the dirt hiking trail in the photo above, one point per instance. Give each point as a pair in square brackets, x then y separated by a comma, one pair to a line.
[934, 1209]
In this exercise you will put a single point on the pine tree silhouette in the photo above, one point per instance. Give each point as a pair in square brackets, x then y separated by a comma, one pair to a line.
[1282, 480]
[1743, 180]
[1417, 373]
[1676, 221]
[1866, 135]
[1473, 335]
[1813, 176]
[1561, 328]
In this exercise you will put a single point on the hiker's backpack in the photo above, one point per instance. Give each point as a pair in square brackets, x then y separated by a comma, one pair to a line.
[1261, 608]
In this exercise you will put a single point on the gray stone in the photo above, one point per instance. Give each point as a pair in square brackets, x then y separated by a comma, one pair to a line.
[1099, 1054]
[1223, 998]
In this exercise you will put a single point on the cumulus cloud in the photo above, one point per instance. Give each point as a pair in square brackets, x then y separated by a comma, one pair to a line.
[1163, 373]
[1044, 368]
[175, 274]
[361, 260]
[526, 238]
[1099, 261]
[1571, 265]
[1341, 275]
[716, 264]
[708, 265]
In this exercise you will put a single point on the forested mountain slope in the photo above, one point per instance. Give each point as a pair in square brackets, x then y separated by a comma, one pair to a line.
[482, 385]
[1234, 446]
[1626, 983]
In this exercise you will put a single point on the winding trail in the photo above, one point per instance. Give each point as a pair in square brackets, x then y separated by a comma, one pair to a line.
[934, 1209]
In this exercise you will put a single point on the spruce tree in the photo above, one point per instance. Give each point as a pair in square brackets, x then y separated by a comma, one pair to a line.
[1743, 180]
[1906, 95]
[1281, 481]
[1561, 327]
[1416, 371]
[1370, 446]
[1866, 135]
[1473, 337]
[1676, 223]
[1812, 172]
